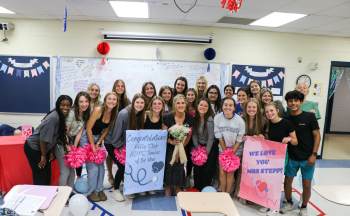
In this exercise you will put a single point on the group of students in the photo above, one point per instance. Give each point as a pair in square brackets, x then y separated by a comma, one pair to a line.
[217, 123]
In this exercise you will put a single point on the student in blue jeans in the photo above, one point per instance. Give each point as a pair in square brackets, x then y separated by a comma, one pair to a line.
[302, 156]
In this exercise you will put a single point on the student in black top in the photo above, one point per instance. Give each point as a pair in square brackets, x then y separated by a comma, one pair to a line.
[39, 146]
[214, 96]
[180, 86]
[302, 156]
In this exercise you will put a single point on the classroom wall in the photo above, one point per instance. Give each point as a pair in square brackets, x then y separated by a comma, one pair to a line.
[45, 37]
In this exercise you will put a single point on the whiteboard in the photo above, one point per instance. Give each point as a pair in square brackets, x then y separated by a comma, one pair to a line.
[74, 74]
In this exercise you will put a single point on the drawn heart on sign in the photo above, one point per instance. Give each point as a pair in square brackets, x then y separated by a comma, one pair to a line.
[271, 204]
[262, 185]
[157, 166]
[245, 166]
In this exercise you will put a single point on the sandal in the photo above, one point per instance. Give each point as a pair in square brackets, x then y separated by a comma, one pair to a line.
[111, 181]
[168, 191]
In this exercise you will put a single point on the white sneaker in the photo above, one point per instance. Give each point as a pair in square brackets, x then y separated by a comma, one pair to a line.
[287, 207]
[130, 196]
[303, 212]
[142, 193]
[300, 201]
[117, 196]
[271, 213]
[264, 209]
[285, 199]
[152, 192]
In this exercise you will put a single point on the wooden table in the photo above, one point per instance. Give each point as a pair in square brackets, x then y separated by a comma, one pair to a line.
[339, 194]
[207, 202]
[56, 206]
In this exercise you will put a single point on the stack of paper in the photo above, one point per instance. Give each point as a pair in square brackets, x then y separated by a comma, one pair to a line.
[24, 204]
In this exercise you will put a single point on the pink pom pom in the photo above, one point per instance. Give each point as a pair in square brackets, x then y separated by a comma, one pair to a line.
[228, 161]
[97, 157]
[199, 156]
[76, 158]
[120, 155]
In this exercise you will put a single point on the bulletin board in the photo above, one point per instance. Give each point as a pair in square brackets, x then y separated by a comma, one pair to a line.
[25, 84]
[268, 76]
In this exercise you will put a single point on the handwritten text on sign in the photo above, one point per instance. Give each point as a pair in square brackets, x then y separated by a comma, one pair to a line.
[145, 159]
[262, 172]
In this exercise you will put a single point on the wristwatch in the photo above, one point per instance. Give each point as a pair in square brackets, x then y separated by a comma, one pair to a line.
[314, 153]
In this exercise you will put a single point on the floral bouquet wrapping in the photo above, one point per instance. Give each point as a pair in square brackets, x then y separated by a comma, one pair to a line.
[179, 132]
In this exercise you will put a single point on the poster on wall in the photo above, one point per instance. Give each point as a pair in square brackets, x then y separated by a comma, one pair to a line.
[268, 76]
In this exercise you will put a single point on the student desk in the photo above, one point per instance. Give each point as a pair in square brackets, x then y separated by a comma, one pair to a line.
[339, 194]
[14, 166]
[205, 202]
[57, 204]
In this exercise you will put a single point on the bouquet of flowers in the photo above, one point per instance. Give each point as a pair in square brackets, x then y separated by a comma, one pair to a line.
[179, 132]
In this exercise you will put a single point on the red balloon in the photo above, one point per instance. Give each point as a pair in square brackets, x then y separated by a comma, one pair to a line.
[103, 48]
[192, 190]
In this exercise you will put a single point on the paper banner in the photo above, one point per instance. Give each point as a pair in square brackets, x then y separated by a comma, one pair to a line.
[40, 70]
[10, 71]
[18, 73]
[258, 73]
[26, 73]
[281, 74]
[249, 80]
[262, 165]
[3, 68]
[269, 82]
[263, 84]
[23, 65]
[275, 79]
[236, 74]
[46, 65]
[34, 73]
[243, 78]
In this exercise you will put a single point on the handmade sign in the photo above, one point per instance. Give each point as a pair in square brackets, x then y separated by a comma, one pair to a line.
[262, 172]
[145, 160]
[26, 131]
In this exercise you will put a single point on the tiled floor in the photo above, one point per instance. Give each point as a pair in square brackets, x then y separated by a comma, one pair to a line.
[336, 146]
[328, 172]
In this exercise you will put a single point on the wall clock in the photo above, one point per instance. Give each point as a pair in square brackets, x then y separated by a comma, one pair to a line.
[304, 79]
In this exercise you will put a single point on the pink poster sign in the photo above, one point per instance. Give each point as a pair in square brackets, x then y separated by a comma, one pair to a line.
[26, 131]
[262, 172]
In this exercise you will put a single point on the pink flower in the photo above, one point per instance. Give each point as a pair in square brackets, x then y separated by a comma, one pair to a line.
[190, 133]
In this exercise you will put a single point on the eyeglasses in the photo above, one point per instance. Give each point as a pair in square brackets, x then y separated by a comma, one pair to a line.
[213, 93]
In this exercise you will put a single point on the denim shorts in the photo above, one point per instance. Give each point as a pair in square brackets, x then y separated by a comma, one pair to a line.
[293, 166]
[84, 139]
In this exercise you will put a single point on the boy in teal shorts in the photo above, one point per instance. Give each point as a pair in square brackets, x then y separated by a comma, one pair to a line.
[302, 156]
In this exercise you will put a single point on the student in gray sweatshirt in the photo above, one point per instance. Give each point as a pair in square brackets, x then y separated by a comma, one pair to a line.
[130, 118]
[229, 128]
[203, 134]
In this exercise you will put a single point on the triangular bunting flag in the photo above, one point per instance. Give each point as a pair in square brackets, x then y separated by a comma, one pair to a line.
[34, 73]
[26, 73]
[46, 65]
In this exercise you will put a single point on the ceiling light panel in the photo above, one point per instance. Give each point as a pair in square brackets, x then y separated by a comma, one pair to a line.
[5, 11]
[276, 19]
[130, 9]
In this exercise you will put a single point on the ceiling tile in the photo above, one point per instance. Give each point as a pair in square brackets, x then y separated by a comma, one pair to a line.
[206, 14]
[22, 7]
[215, 3]
[225, 25]
[30, 16]
[102, 18]
[69, 17]
[310, 6]
[270, 5]
[197, 23]
[346, 30]
[261, 28]
[314, 32]
[165, 21]
[55, 7]
[250, 14]
[93, 8]
[134, 20]
[166, 12]
[15, 16]
[340, 11]
[340, 34]
[285, 30]
[335, 26]
[312, 21]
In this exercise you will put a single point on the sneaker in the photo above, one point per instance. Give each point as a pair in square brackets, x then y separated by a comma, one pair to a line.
[152, 192]
[142, 193]
[188, 182]
[303, 212]
[300, 201]
[264, 209]
[130, 196]
[287, 207]
[102, 196]
[93, 197]
[285, 199]
[117, 196]
[271, 213]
